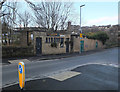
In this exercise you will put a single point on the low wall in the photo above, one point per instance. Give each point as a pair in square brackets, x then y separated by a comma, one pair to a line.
[90, 44]
[76, 44]
[10, 51]
[47, 49]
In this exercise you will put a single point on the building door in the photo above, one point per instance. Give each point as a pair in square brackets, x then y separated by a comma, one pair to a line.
[71, 44]
[38, 45]
[82, 46]
[96, 44]
[67, 45]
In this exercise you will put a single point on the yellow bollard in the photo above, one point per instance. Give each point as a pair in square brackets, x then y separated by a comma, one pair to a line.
[21, 73]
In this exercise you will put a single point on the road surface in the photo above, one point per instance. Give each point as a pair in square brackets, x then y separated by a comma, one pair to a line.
[38, 70]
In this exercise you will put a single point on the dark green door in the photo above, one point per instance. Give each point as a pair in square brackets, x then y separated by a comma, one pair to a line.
[82, 46]
[38, 45]
[67, 45]
[96, 44]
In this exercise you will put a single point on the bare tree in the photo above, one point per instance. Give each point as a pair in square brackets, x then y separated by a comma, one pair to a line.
[51, 15]
[25, 18]
[8, 17]
[1, 5]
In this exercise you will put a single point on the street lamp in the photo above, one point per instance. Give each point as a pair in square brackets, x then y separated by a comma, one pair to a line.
[81, 42]
[80, 17]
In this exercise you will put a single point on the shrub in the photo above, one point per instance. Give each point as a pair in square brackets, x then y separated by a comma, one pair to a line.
[102, 36]
[54, 44]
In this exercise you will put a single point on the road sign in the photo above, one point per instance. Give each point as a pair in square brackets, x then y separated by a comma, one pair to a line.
[21, 72]
[80, 35]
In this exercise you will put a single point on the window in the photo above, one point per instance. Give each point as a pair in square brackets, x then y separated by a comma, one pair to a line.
[31, 36]
[46, 40]
[62, 42]
[54, 39]
[51, 40]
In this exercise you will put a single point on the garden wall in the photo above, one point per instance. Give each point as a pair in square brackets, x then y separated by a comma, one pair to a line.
[11, 51]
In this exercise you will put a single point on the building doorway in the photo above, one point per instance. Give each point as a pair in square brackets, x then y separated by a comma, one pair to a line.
[67, 45]
[38, 45]
[82, 46]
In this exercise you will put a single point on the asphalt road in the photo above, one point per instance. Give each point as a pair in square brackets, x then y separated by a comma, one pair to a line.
[91, 77]
[36, 70]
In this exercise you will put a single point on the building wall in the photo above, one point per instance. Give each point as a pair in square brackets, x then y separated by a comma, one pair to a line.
[90, 44]
[46, 47]
[76, 44]
[23, 38]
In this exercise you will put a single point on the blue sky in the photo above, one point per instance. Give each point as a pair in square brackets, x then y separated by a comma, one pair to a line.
[97, 13]
[93, 13]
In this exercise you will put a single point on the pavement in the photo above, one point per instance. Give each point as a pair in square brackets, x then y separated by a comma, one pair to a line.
[41, 71]
[6, 61]
[90, 77]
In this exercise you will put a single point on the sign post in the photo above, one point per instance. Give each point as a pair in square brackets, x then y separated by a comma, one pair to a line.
[21, 74]
[80, 43]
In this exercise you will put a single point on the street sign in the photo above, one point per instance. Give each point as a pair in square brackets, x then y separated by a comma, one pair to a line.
[21, 73]
[80, 35]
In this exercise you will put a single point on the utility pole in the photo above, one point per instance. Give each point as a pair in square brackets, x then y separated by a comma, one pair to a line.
[80, 30]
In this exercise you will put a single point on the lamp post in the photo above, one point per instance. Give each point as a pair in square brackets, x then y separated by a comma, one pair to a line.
[80, 29]
[80, 17]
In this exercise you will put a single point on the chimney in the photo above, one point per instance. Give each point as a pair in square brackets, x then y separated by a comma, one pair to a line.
[69, 26]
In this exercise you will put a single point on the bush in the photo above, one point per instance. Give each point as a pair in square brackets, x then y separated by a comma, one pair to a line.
[102, 36]
[54, 44]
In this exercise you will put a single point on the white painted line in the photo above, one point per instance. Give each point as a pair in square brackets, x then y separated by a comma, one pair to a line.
[64, 75]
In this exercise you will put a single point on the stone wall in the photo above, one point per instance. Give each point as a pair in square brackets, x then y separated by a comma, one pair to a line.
[11, 51]
[46, 47]
[90, 44]
[76, 44]
[23, 38]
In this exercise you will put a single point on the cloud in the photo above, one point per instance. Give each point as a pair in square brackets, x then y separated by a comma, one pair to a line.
[103, 21]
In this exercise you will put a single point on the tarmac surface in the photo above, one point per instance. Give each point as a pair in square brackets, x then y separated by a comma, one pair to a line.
[96, 71]
[92, 77]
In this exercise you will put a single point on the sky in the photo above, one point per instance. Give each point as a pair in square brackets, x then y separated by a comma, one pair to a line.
[96, 13]
[93, 13]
